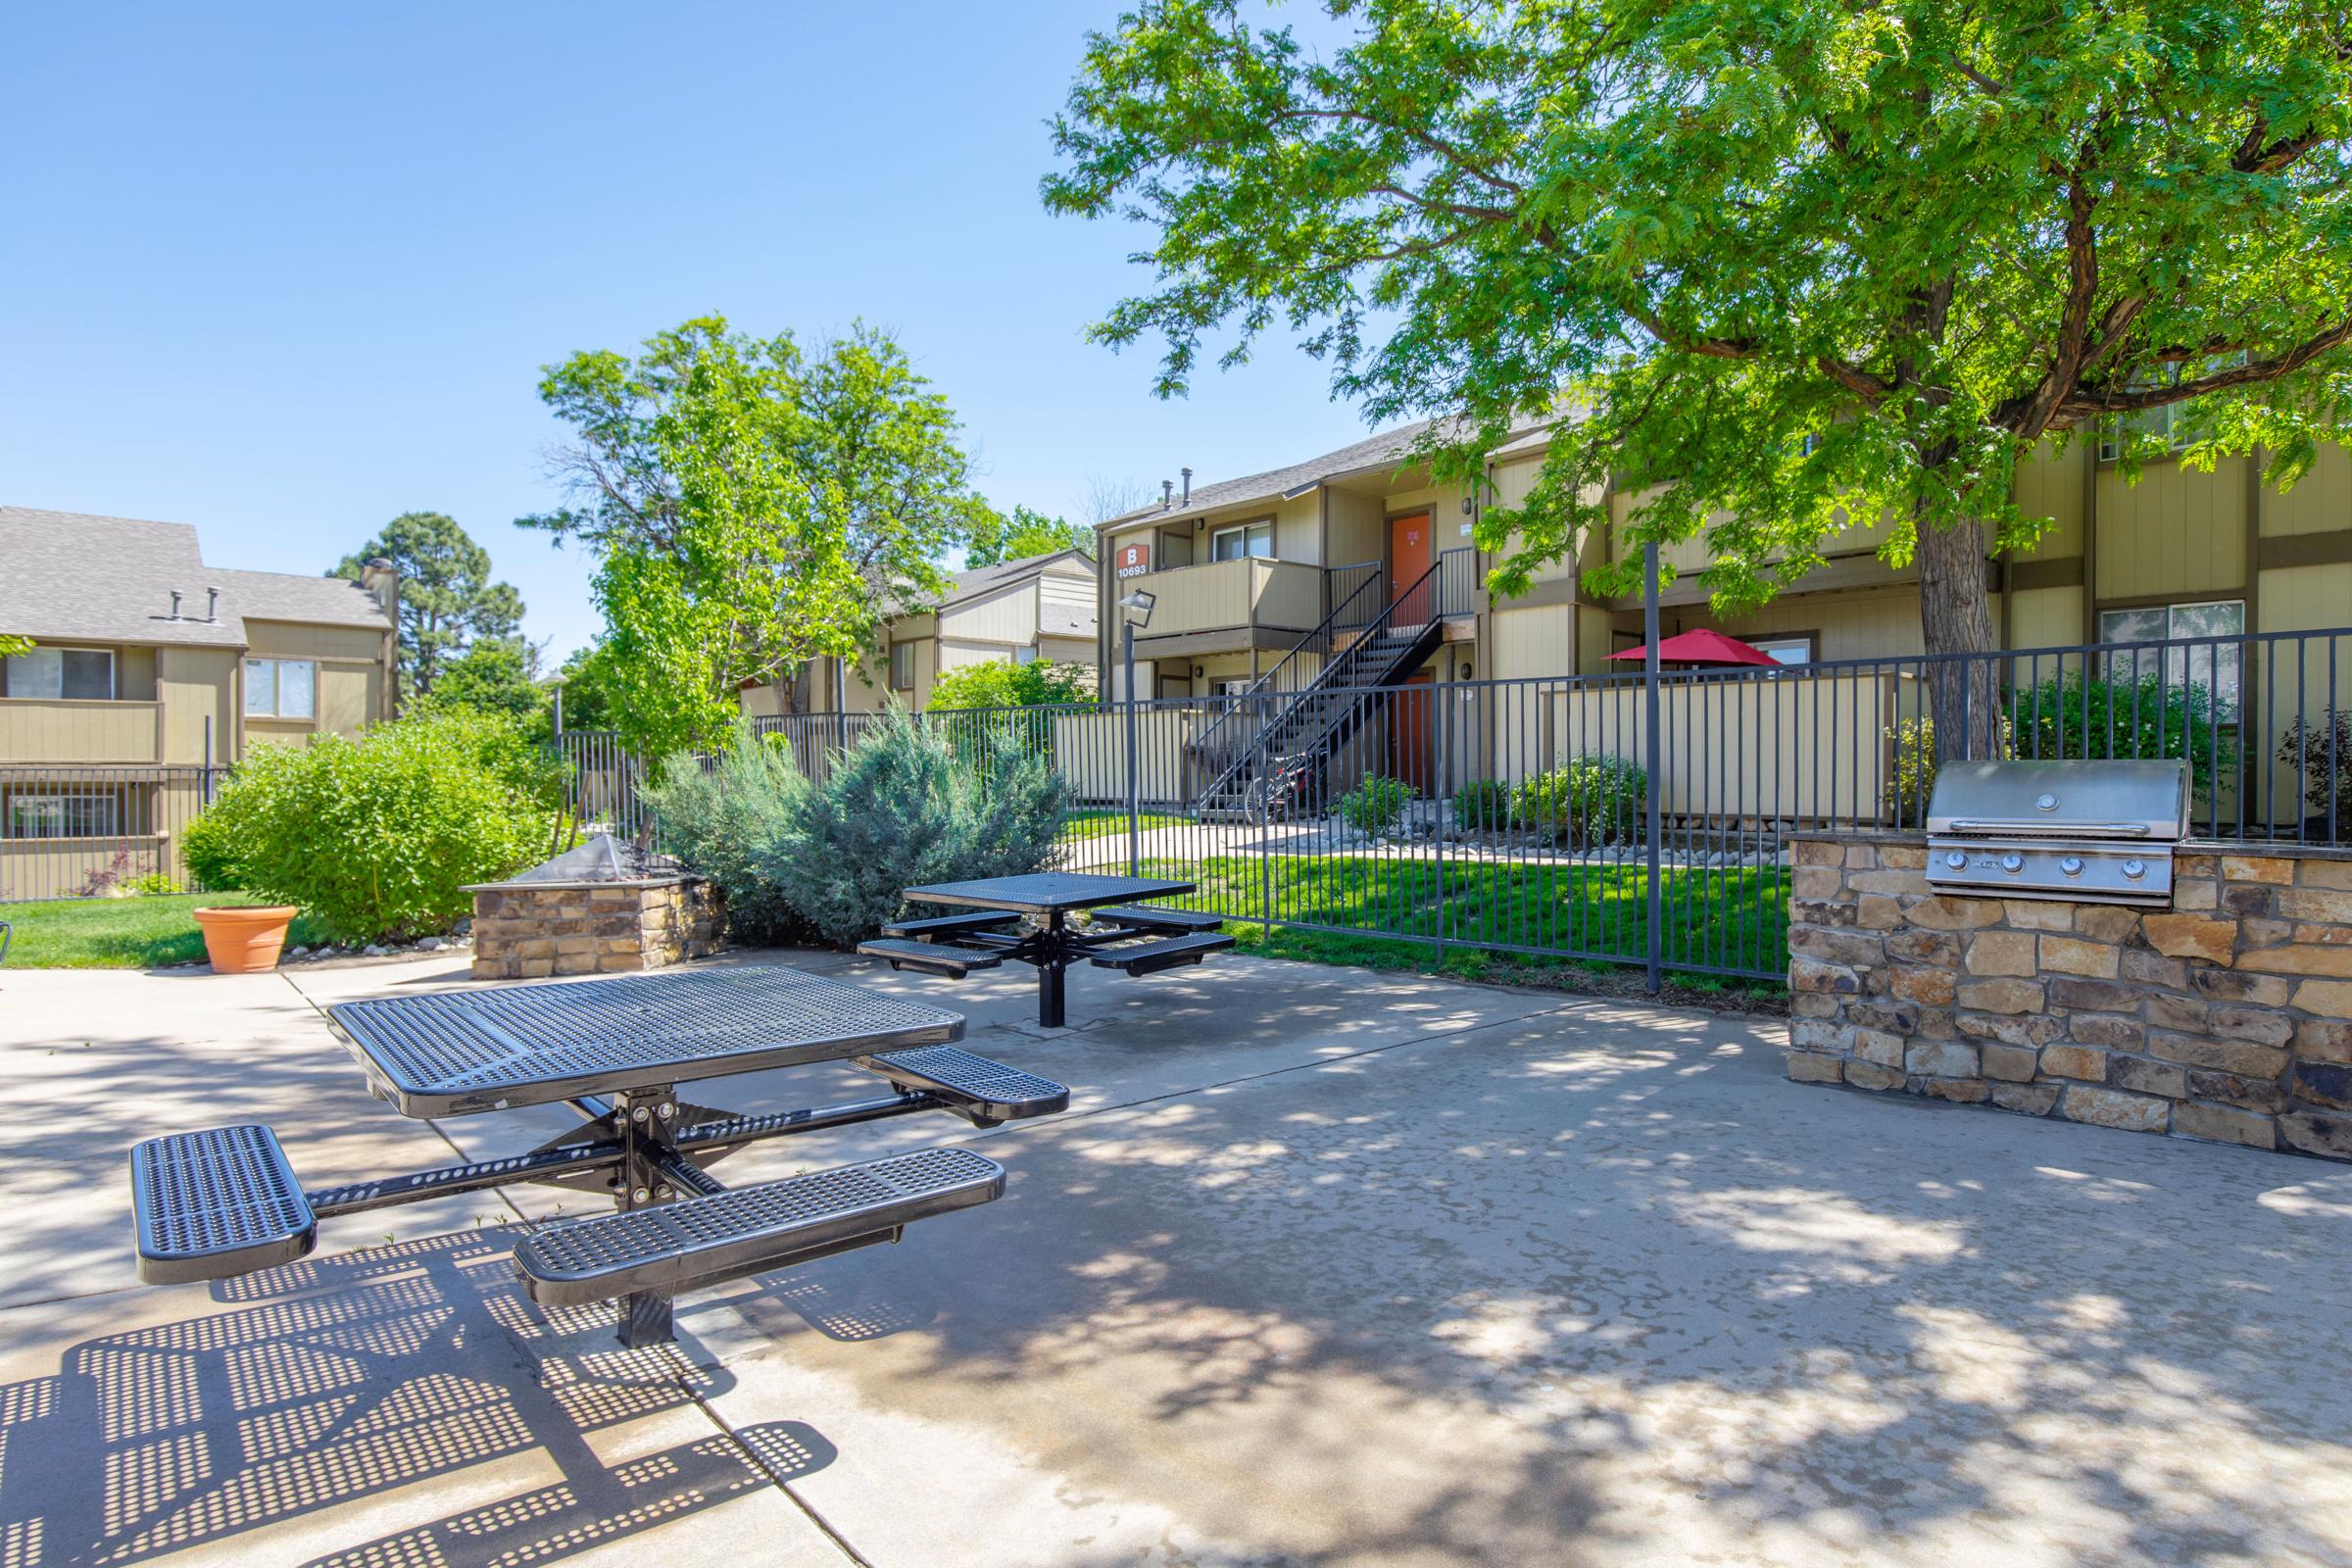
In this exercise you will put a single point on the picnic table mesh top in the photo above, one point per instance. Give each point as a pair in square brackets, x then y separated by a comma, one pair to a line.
[471, 1050]
[1046, 889]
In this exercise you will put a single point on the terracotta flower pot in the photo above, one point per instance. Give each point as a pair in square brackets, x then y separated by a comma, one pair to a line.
[245, 940]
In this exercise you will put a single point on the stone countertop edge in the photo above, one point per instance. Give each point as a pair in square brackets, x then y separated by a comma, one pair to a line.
[2245, 849]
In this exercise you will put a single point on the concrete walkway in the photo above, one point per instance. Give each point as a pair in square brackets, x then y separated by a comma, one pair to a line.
[1323, 1267]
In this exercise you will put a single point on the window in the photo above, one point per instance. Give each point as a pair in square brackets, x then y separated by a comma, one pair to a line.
[79, 674]
[1246, 539]
[1024, 656]
[902, 667]
[2156, 623]
[1784, 650]
[280, 687]
[61, 816]
[2171, 421]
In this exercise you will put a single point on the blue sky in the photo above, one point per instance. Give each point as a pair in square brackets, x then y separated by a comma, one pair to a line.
[285, 272]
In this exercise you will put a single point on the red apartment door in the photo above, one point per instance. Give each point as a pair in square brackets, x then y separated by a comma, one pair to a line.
[1410, 551]
[1412, 720]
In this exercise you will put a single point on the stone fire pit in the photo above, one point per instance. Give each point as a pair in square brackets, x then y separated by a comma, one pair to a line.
[605, 907]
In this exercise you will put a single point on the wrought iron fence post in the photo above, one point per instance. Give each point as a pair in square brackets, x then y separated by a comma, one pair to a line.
[1134, 834]
[1262, 814]
[1652, 819]
[1436, 823]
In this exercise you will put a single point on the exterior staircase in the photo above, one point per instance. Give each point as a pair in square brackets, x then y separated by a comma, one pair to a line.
[1266, 757]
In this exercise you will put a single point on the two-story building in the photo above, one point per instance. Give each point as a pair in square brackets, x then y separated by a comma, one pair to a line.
[149, 671]
[1262, 584]
[1012, 613]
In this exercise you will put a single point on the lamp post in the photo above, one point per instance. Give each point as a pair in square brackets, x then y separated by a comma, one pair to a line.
[1138, 606]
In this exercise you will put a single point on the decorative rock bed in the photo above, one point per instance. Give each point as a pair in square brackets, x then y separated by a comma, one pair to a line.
[2226, 1018]
[604, 908]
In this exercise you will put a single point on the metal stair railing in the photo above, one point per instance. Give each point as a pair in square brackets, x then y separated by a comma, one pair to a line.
[1218, 745]
[1332, 702]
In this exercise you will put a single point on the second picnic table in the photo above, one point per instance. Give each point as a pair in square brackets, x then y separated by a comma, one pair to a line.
[958, 944]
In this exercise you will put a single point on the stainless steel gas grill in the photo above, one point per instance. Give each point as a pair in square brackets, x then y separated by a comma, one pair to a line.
[2100, 831]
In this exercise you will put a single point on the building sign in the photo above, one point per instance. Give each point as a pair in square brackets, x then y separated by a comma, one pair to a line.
[1134, 560]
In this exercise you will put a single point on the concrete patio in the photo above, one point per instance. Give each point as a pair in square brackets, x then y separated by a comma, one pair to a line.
[1322, 1267]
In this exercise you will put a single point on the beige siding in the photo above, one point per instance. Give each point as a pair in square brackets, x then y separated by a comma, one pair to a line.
[1539, 641]
[1299, 529]
[277, 639]
[1867, 623]
[1091, 752]
[134, 676]
[2320, 504]
[2046, 618]
[1067, 650]
[195, 684]
[1008, 616]
[1358, 531]
[2175, 534]
[2050, 485]
[2307, 599]
[45, 730]
[348, 698]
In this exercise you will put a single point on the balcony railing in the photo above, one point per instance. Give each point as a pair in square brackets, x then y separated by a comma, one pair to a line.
[43, 730]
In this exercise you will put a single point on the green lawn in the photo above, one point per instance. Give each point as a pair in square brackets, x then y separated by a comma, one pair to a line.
[1103, 825]
[121, 933]
[1731, 917]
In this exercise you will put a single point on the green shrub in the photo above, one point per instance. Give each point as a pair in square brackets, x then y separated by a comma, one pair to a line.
[727, 822]
[1481, 805]
[1042, 682]
[1913, 779]
[2150, 717]
[2322, 752]
[1589, 802]
[900, 809]
[377, 837]
[154, 885]
[1375, 805]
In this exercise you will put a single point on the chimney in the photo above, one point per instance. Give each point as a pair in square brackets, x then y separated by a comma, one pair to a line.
[174, 604]
[212, 604]
[1188, 487]
[382, 582]
[1167, 494]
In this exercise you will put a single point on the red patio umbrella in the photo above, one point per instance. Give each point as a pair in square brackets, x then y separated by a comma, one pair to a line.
[1703, 647]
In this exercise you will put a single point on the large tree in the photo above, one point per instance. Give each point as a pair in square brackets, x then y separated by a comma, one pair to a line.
[753, 506]
[1025, 533]
[1789, 265]
[448, 598]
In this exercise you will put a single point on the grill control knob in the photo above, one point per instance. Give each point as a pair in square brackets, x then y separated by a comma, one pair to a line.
[1956, 860]
[2071, 865]
[2046, 802]
[2135, 869]
[2013, 862]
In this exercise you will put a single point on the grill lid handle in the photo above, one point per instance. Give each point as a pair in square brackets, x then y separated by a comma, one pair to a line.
[1988, 824]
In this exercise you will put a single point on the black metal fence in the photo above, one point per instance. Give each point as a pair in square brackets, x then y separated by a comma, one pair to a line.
[89, 832]
[1509, 815]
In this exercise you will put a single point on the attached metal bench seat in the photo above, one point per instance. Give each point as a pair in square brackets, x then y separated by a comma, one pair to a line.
[1149, 958]
[1146, 918]
[705, 1241]
[215, 1205]
[931, 958]
[982, 1091]
[949, 925]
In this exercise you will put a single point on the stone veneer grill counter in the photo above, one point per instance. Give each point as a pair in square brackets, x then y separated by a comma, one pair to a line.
[2225, 1016]
[603, 907]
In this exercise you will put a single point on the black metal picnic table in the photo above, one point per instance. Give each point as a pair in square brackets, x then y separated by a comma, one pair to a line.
[225, 1202]
[956, 945]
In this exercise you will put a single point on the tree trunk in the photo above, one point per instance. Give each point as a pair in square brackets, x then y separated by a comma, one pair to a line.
[1955, 612]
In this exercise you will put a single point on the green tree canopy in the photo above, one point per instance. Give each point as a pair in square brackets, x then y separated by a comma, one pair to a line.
[494, 675]
[997, 537]
[751, 507]
[1042, 682]
[448, 598]
[591, 683]
[1789, 264]
[11, 646]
